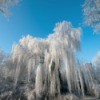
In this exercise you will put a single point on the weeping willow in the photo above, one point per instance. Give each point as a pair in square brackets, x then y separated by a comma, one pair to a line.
[47, 69]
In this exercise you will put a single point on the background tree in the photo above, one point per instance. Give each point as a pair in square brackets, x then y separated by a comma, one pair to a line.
[6, 4]
[91, 13]
[1, 56]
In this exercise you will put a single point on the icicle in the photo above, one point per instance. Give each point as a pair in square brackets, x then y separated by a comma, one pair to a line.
[39, 80]
[29, 70]
[54, 79]
[81, 81]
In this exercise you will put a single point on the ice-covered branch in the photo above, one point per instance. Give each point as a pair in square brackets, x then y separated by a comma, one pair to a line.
[6, 4]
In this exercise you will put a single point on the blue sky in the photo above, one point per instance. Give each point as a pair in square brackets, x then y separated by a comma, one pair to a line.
[38, 18]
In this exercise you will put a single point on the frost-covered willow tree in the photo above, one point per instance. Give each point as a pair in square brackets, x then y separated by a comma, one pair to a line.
[65, 42]
[91, 12]
[49, 67]
[96, 62]
[97, 59]
[60, 47]
[1, 56]
[5, 5]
